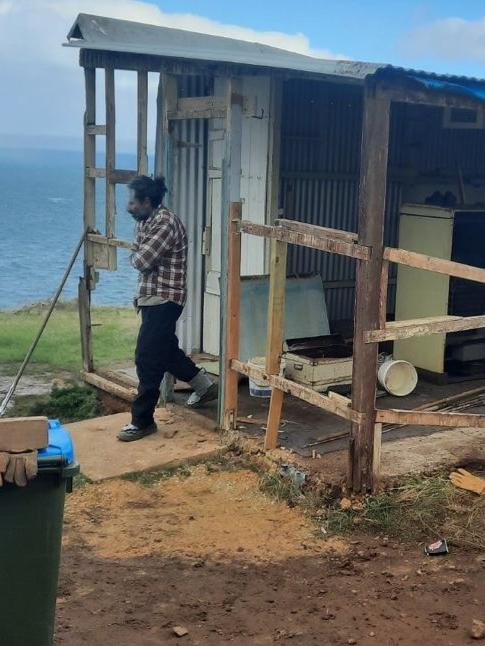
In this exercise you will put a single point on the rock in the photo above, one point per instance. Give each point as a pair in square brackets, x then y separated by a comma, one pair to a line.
[351, 641]
[478, 629]
[345, 503]
[180, 631]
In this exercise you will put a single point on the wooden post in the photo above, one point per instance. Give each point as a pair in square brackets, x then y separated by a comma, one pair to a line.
[85, 325]
[372, 201]
[231, 192]
[89, 218]
[110, 151]
[274, 341]
[164, 153]
[142, 157]
[233, 315]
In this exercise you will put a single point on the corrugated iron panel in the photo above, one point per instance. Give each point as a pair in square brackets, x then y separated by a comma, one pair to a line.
[189, 203]
[320, 159]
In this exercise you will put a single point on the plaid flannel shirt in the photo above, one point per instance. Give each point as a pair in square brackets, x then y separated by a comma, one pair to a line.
[161, 256]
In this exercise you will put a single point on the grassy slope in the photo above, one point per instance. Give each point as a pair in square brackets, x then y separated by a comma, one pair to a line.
[114, 336]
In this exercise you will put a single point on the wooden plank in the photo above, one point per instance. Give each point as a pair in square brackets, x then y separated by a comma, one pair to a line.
[95, 129]
[110, 211]
[422, 327]
[113, 242]
[372, 203]
[407, 94]
[199, 107]
[312, 229]
[164, 165]
[297, 390]
[274, 338]
[341, 247]
[89, 218]
[233, 315]
[230, 192]
[383, 293]
[376, 463]
[127, 394]
[23, 433]
[93, 173]
[89, 148]
[119, 176]
[142, 121]
[427, 418]
[438, 265]
[84, 306]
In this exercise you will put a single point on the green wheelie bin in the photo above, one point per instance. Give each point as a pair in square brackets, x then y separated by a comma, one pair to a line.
[31, 520]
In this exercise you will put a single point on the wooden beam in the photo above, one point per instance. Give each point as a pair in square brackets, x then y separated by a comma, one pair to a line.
[164, 165]
[84, 306]
[113, 242]
[231, 192]
[233, 315]
[110, 151]
[424, 327]
[142, 121]
[93, 173]
[121, 176]
[95, 129]
[312, 229]
[425, 418]
[299, 391]
[372, 202]
[275, 334]
[438, 265]
[333, 245]
[122, 392]
[199, 107]
[407, 94]
[383, 293]
[89, 219]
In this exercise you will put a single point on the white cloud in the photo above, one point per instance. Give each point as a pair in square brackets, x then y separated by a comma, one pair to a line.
[5, 7]
[43, 80]
[451, 39]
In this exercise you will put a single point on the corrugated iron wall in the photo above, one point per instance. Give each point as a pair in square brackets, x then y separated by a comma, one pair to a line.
[320, 158]
[190, 192]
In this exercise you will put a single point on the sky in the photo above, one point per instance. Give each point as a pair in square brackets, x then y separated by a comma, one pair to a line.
[42, 85]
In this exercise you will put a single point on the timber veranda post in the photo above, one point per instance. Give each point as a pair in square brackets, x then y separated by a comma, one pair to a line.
[87, 281]
[233, 318]
[364, 449]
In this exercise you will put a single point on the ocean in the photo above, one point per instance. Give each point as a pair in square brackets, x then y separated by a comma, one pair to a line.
[41, 222]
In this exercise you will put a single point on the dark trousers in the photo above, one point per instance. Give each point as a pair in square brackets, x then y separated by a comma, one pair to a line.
[157, 352]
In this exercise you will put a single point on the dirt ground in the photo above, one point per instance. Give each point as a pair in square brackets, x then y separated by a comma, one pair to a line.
[212, 554]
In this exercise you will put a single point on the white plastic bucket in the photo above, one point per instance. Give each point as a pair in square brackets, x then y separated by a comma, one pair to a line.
[398, 377]
[259, 388]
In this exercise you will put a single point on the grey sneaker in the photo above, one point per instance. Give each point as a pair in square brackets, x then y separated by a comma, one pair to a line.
[130, 432]
[197, 400]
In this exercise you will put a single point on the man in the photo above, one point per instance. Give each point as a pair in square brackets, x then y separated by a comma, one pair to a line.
[160, 256]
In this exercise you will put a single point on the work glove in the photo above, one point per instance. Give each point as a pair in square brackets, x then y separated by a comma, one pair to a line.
[18, 468]
[466, 480]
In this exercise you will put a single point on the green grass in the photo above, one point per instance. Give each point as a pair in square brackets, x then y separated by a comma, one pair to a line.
[114, 336]
[73, 403]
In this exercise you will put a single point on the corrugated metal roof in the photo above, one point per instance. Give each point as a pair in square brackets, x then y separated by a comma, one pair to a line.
[110, 34]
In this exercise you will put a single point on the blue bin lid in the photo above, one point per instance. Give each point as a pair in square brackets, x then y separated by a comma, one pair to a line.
[60, 443]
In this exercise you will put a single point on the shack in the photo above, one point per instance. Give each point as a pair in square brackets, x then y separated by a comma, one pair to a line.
[290, 166]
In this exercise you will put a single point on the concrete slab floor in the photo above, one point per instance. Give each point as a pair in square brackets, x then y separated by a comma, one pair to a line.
[183, 437]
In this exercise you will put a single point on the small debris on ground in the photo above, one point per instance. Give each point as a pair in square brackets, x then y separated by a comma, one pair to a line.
[478, 629]
[180, 631]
